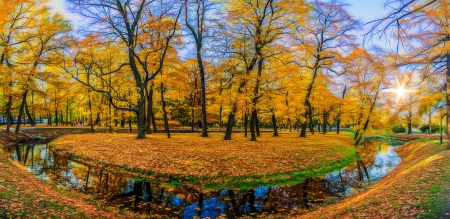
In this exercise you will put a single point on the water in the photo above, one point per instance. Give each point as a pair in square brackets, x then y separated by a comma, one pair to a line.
[127, 192]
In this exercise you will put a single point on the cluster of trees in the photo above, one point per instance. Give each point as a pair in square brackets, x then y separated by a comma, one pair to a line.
[291, 64]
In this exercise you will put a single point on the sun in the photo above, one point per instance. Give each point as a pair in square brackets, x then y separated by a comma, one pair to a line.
[401, 90]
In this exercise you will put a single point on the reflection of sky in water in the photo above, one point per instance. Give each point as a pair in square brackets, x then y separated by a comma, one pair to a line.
[340, 183]
[385, 161]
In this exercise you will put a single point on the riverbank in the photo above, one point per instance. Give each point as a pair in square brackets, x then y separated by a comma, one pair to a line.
[212, 163]
[418, 188]
[23, 196]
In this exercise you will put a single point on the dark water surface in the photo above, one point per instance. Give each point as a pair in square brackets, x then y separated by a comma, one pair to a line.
[378, 159]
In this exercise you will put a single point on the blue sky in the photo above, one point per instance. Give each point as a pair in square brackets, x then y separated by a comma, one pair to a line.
[363, 10]
[366, 10]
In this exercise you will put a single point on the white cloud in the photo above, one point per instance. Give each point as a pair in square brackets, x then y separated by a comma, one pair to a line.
[58, 6]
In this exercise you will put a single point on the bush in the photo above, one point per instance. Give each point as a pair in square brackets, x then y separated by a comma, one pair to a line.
[434, 128]
[398, 129]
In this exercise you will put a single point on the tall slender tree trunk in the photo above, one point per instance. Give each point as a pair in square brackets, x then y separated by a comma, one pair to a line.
[253, 126]
[325, 118]
[148, 127]
[304, 124]
[163, 105]
[30, 117]
[448, 99]
[67, 110]
[274, 123]
[220, 118]
[22, 105]
[9, 116]
[230, 123]
[91, 123]
[258, 133]
[245, 124]
[62, 118]
[338, 125]
[56, 112]
[155, 129]
[122, 121]
[409, 127]
[429, 122]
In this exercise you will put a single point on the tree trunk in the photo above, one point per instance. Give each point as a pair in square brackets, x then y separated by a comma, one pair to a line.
[304, 125]
[122, 121]
[258, 133]
[30, 117]
[253, 126]
[193, 119]
[429, 122]
[163, 104]
[62, 118]
[338, 126]
[154, 122]
[274, 123]
[22, 105]
[67, 110]
[9, 116]
[220, 119]
[409, 127]
[90, 112]
[448, 99]
[229, 128]
[56, 115]
[148, 127]
[129, 125]
[202, 79]
[311, 123]
[245, 124]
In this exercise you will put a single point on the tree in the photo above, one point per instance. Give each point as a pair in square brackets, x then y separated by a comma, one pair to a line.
[327, 30]
[145, 29]
[199, 10]
[421, 30]
[253, 39]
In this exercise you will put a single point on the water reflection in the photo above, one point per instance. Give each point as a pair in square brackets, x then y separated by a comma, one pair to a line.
[377, 159]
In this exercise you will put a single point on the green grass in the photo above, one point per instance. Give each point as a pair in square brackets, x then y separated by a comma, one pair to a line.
[438, 200]
[249, 181]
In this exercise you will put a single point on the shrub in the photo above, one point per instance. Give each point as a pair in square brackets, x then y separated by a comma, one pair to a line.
[434, 128]
[398, 129]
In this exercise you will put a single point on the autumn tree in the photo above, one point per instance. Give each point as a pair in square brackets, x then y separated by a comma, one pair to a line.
[368, 76]
[253, 38]
[144, 28]
[421, 32]
[328, 29]
[198, 21]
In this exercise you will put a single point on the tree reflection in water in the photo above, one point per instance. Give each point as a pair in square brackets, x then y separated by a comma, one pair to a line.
[126, 192]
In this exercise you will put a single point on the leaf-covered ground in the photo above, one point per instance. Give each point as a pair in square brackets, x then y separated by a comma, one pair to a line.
[415, 189]
[192, 157]
[23, 196]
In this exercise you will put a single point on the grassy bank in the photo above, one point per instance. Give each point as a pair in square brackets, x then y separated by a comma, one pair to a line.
[417, 188]
[23, 196]
[213, 163]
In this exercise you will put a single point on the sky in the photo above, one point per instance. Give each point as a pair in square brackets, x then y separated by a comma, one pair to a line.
[366, 10]
[363, 10]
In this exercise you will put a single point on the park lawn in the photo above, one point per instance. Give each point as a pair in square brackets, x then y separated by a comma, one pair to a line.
[417, 188]
[212, 162]
[23, 196]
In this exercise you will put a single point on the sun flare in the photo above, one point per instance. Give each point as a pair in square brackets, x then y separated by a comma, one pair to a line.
[400, 90]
